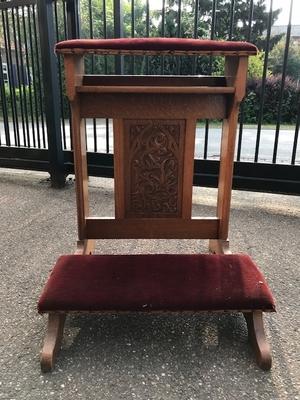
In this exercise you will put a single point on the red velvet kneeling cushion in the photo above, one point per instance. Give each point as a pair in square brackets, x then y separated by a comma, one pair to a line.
[156, 45]
[155, 282]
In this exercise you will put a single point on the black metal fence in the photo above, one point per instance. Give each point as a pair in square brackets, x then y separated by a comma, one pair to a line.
[34, 117]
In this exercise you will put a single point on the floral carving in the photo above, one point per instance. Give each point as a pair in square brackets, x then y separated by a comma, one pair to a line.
[155, 149]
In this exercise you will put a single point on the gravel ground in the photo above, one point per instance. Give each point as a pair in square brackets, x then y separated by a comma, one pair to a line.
[134, 356]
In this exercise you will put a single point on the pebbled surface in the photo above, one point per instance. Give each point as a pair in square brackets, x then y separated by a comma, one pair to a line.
[136, 356]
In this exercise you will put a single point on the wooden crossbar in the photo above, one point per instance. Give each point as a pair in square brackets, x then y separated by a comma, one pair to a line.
[164, 105]
[151, 228]
[153, 80]
[156, 89]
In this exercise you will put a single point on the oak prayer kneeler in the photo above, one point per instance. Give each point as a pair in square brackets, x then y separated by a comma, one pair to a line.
[154, 123]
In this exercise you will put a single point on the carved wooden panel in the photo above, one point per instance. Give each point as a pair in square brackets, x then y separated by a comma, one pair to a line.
[153, 167]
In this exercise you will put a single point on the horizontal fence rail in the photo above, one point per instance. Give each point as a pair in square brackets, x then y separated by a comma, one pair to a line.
[34, 123]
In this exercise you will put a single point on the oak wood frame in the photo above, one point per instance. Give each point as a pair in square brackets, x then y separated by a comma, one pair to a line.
[52, 341]
[258, 340]
[188, 101]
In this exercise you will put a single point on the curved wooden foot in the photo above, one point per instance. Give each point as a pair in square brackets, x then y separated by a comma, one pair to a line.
[219, 246]
[52, 340]
[258, 339]
[85, 247]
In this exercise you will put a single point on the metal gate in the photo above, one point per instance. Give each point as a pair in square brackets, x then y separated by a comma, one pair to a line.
[34, 116]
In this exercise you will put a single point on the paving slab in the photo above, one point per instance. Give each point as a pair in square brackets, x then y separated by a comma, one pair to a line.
[139, 356]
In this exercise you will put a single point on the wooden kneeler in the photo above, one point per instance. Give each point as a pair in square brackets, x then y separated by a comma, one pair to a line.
[154, 120]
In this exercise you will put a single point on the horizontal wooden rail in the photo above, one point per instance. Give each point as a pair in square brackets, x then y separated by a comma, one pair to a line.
[157, 89]
[153, 80]
[152, 106]
[152, 228]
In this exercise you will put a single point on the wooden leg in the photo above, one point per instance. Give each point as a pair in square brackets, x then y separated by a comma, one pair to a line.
[219, 246]
[258, 339]
[52, 340]
[85, 247]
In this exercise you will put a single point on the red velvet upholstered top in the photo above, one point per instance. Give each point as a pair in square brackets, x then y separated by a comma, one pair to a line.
[155, 45]
[156, 282]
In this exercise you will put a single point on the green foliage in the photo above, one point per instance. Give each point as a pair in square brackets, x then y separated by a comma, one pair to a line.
[256, 66]
[93, 25]
[293, 61]
[289, 106]
[19, 97]
[92, 20]
[222, 22]
[187, 27]
[251, 107]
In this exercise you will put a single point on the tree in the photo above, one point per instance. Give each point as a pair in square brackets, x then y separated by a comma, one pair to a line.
[177, 23]
[201, 28]
[293, 62]
[222, 20]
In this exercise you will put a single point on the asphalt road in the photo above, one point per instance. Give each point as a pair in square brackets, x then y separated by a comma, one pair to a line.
[285, 142]
[155, 357]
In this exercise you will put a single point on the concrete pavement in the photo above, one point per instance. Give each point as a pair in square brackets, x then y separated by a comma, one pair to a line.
[157, 357]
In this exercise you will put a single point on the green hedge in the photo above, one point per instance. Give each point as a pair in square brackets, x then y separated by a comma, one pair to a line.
[289, 109]
[17, 96]
[290, 101]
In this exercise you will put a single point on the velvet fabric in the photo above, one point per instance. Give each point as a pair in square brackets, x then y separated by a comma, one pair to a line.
[155, 282]
[157, 44]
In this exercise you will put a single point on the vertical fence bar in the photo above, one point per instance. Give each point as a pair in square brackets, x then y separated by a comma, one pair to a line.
[118, 33]
[73, 32]
[23, 80]
[285, 59]
[179, 19]
[194, 68]
[263, 85]
[51, 92]
[296, 136]
[163, 17]
[73, 20]
[232, 9]
[60, 79]
[65, 36]
[38, 67]
[147, 33]
[213, 25]
[91, 29]
[179, 34]
[105, 71]
[4, 106]
[240, 137]
[28, 78]
[132, 33]
[104, 32]
[34, 60]
[147, 18]
[212, 36]
[65, 24]
[107, 134]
